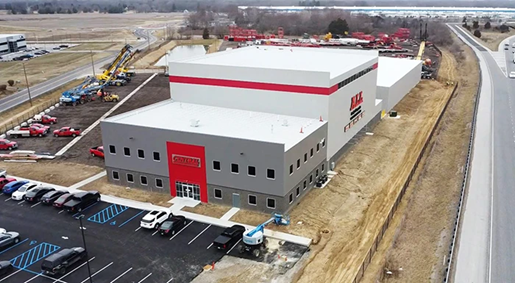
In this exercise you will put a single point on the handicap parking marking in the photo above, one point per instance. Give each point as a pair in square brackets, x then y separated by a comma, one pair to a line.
[75, 269]
[233, 247]
[107, 213]
[128, 220]
[82, 212]
[145, 278]
[182, 229]
[199, 234]
[12, 247]
[120, 276]
[102, 269]
[35, 204]
[33, 255]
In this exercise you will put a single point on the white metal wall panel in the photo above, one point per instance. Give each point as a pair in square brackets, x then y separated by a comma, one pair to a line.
[353, 71]
[402, 87]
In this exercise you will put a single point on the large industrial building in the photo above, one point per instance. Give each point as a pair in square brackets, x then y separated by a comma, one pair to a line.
[253, 127]
[12, 43]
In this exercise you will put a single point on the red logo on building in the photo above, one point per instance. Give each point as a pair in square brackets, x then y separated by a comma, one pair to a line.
[185, 160]
[356, 100]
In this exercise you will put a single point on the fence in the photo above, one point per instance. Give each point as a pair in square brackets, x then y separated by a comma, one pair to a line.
[17, 120]
[379, 237]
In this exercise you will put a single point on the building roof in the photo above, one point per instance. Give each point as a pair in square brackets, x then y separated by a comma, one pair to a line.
[288, 58]
[391, 70]
[9, 34]
[218, 121]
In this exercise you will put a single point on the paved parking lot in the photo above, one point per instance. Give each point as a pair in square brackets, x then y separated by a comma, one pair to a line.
[119, 250]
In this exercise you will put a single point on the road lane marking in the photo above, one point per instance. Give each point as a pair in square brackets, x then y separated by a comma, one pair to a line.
[199, 234]
[145, 278]
[233, 246]
[90, 260]
[97, 272]
[181, 230]
[121, 275]
[10, 275]
[209, 246]
[35, 205]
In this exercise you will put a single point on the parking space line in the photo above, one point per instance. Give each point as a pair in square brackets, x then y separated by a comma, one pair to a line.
[90, 260]
[137, 229]
[128, 220]
[10, 275]
[107, 213]
[181, 230]
[79, 213]
[233, 246]
[33, 277]
[157, 230]
[61, 211]
[121, 275]
[97, 272]
[8, 199]
[35, 204]
[199, 234]
[169, 280]
[209, 246]
[42, 275]
[144, 278]
[14, 246]
[21, 202]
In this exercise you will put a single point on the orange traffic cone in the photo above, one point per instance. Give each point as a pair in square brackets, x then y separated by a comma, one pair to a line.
[213, 266]
[301, 130]
[321, 120]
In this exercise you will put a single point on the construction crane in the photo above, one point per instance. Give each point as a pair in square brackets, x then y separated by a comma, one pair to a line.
[124, 66]
[254, 241]
[108, 73]
[423, 38]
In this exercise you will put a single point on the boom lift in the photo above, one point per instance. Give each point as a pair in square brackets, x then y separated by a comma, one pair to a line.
[124, 67]
[108, 73]
[254, 241]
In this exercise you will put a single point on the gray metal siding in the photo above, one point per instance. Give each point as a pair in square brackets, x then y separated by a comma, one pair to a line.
[151, 180]
[261, 199]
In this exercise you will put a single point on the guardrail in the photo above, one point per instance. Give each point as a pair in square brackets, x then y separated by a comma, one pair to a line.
[448, 269]
[368, 258]
[16, 121]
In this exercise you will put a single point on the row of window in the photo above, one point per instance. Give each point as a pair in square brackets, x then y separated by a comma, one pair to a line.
[141, 153]
[306, 156]
[251, 199]
[354, 77]
[142, 179]
[305, 184]
[251, 170]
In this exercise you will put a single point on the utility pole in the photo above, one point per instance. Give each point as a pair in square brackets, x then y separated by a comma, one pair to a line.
[82, 228]
[148, 39]
[27, 82]
[92, 63]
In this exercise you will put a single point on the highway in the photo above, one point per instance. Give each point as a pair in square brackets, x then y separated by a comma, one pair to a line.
[43, 87]
[486, 250]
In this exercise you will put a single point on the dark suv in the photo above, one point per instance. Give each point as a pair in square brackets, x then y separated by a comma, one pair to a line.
[60, 261]
[81, 200]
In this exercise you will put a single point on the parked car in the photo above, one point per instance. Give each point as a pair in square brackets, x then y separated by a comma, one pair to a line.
[6, 267]
[8, 238]
[6, 144]
[2, 230]
[229, 237]
[3, 173]
[60, 261]
[67, 132]
[35, 195]
[52, 196]
[153, 219]
[5, 181]
[13, 187]
[173, 225]
[62, 200]
[81, 200]
[97, 151]
[20, 193]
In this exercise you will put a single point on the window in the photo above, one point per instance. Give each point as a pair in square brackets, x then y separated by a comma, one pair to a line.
[130, 178]
[141, 154]
[291, 169]
[323, 167]
[159, 183]
[112, 149]
[298, 191]
[270, 174]
[323, 142]
[216, 165]
[291, 197]
[143, 180]
[298, 163]
[251, 171]
[318, 147]
[115, 175]
[235, 168]
[127, 151]
[304, 187]
[311, 153]
[305, 157]
[218, 193]
[310, 179]
[316, 173]
[157, 156]
[270, 203]
[252, 200]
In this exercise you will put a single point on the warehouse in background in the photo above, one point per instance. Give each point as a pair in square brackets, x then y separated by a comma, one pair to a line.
[10, 43]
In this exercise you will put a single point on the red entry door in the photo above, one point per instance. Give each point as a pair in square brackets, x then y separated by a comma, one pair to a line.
[187, 170]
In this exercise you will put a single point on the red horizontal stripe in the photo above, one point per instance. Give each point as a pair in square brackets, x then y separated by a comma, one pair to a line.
[375, 66]
[255, 85]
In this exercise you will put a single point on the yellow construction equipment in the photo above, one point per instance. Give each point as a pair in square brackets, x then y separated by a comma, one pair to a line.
[328, 36]
[124, 66]
[109, 72]
[421, 50]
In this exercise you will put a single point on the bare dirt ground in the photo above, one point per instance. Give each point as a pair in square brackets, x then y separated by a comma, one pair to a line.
[428, 218]
[58, 173]
[208, 209]
[492, 38]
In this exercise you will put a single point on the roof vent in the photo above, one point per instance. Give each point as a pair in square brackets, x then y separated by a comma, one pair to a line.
[285, 122]
[194, 123]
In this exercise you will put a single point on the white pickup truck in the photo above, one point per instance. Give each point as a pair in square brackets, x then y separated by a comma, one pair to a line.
[31, 131]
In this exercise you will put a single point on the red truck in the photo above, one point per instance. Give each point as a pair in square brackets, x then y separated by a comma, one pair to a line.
[31, 131]
[41, 126]
[47, 119]
[7, 144]
[67, 132]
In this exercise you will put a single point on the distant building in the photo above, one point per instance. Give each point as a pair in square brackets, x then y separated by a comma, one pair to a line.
[12, 43]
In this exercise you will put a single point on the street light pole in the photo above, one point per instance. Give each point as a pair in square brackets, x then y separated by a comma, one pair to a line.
[148, 39]
[92, 63]
[27, 82]
[85, 248]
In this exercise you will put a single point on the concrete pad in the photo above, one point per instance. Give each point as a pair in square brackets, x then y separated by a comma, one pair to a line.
[230, 213]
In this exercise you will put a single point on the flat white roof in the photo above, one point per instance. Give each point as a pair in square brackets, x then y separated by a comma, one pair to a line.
[218, 121]
[391, 70]
[333, 61]
[8, 35]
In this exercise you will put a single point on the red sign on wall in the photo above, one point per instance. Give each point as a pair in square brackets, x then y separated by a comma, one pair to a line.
[185, 160]
[186, 163]
[356, 100]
